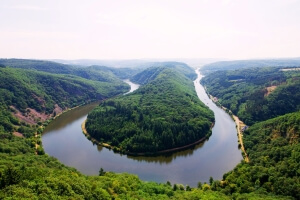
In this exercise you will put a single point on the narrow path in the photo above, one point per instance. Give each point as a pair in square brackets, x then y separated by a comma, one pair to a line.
[239, 125]
[36, 143]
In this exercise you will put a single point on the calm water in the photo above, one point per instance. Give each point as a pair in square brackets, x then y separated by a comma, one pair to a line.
[133, 86]
[64, 140]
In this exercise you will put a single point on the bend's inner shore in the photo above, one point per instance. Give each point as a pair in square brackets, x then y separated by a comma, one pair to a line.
[116, 149]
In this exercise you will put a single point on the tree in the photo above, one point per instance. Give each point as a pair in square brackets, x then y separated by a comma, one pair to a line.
[188, 188]
[10, 176]
[101, 172]
[211, 180]
[199, 185]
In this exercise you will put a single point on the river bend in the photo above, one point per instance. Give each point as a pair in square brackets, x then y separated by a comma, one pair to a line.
[63, 139]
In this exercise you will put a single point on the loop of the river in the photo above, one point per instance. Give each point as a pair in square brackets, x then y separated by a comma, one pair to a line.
[63, 139]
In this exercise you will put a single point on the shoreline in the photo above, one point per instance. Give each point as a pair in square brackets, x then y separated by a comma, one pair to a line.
[238, 124]
[118, 150]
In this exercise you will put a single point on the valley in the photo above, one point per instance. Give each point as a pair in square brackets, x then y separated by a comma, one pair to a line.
[212, 169]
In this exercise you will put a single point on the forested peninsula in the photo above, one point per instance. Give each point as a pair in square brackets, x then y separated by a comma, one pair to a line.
[164, 113]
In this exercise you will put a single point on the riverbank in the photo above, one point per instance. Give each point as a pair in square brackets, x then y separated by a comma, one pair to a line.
[118, 150]
[239, 125]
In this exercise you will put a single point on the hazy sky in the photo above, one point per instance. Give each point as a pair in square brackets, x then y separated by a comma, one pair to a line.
[125, 29]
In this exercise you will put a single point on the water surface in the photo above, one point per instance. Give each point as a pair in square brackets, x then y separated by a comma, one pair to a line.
[63, 139]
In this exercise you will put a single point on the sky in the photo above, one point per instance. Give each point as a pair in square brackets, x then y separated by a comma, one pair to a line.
[143, 29]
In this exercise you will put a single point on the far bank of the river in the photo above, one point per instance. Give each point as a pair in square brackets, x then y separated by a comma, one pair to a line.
[239, 125]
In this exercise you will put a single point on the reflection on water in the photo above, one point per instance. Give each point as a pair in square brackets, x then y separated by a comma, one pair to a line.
[69, 117]
[168, 157]
[63, 139]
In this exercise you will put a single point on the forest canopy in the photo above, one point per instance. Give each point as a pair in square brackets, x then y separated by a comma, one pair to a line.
[256, 94]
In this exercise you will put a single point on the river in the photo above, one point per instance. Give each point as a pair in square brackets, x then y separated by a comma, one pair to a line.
[63, 139]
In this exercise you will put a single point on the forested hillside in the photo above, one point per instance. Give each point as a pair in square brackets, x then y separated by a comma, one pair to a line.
[151, 73]
[41, 91]
[97, 73]
[122, 73]
[256, 94]
[274, 151]
[163, 114]
[29, 98]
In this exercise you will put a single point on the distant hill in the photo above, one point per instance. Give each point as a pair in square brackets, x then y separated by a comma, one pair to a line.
[151, 73]
[40, 65]
[99, 73]
[237, 64]
[134, 63]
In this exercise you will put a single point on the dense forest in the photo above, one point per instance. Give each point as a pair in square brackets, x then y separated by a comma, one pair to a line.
[163, 114]
[150, 74]
[256, 94]
[274, 151]
[96, 73]
[26, 172]
[41, 91]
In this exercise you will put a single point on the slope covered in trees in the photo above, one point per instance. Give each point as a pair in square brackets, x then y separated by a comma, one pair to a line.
[41, 91]
[163, 114]
[274, 151]
[151, 73]
[256, 94]
[97, 73]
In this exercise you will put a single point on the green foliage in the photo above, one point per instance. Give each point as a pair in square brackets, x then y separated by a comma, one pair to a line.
[41, 91]
[274, 151]
[42, 177]
[163, 114]
[245, 93]
[101, 172]
[151, 73]
[122, 73]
